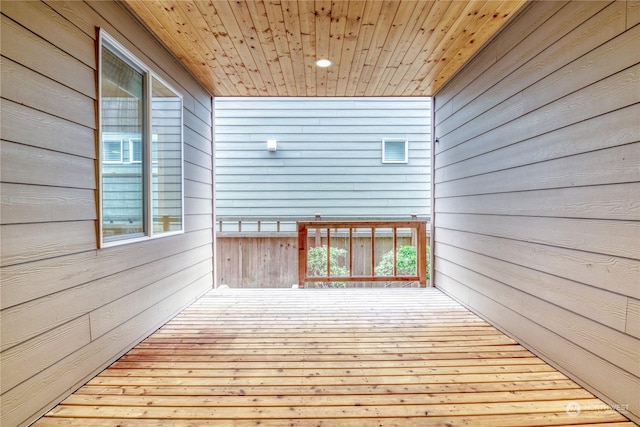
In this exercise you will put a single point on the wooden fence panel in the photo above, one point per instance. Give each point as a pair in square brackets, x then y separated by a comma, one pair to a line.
[272, 261]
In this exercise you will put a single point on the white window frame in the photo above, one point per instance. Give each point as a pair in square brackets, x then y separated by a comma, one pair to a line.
[111, 140]
[122, 52]
[406, 150]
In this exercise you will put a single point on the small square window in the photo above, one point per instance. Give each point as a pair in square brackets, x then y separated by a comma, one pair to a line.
[112, 151]
[395, 150]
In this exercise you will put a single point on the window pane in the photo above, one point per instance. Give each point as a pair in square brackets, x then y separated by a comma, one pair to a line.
[135, 150]
[111, 150]
[394, 151]
[166, 155]
[122, 120]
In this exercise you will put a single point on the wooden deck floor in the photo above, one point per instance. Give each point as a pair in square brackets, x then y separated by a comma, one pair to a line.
[330, 358]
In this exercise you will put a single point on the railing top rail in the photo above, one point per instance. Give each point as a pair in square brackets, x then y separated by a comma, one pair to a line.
[362, 224]
[322, 218]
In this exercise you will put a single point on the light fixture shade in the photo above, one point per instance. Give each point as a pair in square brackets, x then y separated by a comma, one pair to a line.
[272, 145]
[323, 63]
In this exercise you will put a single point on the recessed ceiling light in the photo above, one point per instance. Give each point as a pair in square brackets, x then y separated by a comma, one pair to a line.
[324, 63]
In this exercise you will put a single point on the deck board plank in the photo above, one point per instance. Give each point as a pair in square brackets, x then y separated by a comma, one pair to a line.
[345, 357]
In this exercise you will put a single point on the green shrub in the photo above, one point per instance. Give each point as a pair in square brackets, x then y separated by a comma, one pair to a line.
[317, 264]
[406, 262]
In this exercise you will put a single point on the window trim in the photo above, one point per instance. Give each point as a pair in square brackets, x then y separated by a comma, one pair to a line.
[114, 140]
[105, 39]
[406, 150]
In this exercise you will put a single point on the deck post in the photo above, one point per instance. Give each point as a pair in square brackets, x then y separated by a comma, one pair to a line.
[302, 254]
[318, 235]
[395, 251]
[373, 251]
[166, 223]
[350, 252]
[328, 252]
[422, 254]
[414, 231]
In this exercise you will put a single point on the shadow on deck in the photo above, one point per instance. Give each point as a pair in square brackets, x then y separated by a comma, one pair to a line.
[331, 358]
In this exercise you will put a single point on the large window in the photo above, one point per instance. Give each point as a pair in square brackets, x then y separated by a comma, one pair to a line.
[141, 191]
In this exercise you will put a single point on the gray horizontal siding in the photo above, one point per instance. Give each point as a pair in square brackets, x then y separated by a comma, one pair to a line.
[67, 307]
[329, 157]
[536, 190]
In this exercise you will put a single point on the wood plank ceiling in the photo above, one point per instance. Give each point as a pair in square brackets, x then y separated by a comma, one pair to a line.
[378, 47]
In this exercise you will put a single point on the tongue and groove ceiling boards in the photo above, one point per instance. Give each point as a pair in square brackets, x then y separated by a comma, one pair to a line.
[378, 47]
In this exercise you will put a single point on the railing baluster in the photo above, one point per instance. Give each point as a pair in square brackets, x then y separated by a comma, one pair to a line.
[328, 252]
[395, 251]
[373, 251]
[350, 252]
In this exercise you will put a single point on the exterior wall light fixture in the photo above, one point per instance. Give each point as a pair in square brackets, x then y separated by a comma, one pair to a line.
[272, 145]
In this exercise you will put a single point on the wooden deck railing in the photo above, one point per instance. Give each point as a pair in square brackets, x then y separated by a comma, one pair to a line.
[253, 224]
[278, 225]
[349, 228]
